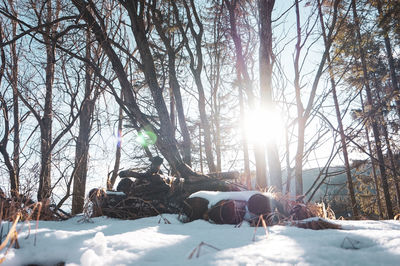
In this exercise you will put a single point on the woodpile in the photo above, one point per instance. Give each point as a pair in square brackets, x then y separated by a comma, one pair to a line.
[148, 194]
[251, 206]
[208, 197]
[119, 205]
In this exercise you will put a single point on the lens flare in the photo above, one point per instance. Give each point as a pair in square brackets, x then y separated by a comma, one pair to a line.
[146, 138]
[119, 138]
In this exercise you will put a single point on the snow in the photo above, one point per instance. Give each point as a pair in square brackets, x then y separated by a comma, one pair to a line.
[214, 197]
[150, 241]
[116, 193]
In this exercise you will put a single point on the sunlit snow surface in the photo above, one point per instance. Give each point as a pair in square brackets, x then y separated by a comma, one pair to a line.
[150, 241]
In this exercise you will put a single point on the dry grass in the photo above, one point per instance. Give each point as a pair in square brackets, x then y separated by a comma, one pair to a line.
[15, 210]
[197, 250]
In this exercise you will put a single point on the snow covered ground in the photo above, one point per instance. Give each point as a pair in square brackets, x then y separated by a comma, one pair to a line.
[150, 241]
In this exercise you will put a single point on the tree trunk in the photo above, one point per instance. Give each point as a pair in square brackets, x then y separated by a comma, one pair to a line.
[47, 119]
[114, 174]
[298, 170]
[392, 163]
[288, 168]
[82, 143]
[196, 71]
[245, 83]
[302, 119]
[375, 130]
[16, 116]
[6, 128]
[216, 115]
[187, 143]
[350, 185]
[166, 142]
[174, 84]
[245, 146]
[266, 64]
[378, 193]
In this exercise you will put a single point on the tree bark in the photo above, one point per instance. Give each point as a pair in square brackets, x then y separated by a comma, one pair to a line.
[114, 175]
[301, 122]
[174, 85]
[82, 143]
[16, 116]
[47, 119]
[6, 128]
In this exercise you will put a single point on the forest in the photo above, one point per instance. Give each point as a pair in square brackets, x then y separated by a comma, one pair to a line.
[269, 89]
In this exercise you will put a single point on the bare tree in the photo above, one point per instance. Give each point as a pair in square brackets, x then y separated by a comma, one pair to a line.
[6, 129]
[13, 77]
[304, 111]
[266, 62]
[338, 114]
[136, 12]
[196, 69]
[114, 175]
[167, 40]
[46, 121]
[82, 143]
[245, 84]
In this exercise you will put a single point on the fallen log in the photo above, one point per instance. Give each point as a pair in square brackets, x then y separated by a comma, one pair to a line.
[147, 185]
[122, 206]
[235, 207]
[225, 175]
[193, 184]
[315, 223]
[262, 204]
[195, 208]
[158, 195]
[154, 188]
[227, 212]
[224, 207]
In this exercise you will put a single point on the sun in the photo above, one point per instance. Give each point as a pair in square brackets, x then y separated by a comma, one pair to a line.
[263, 125]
